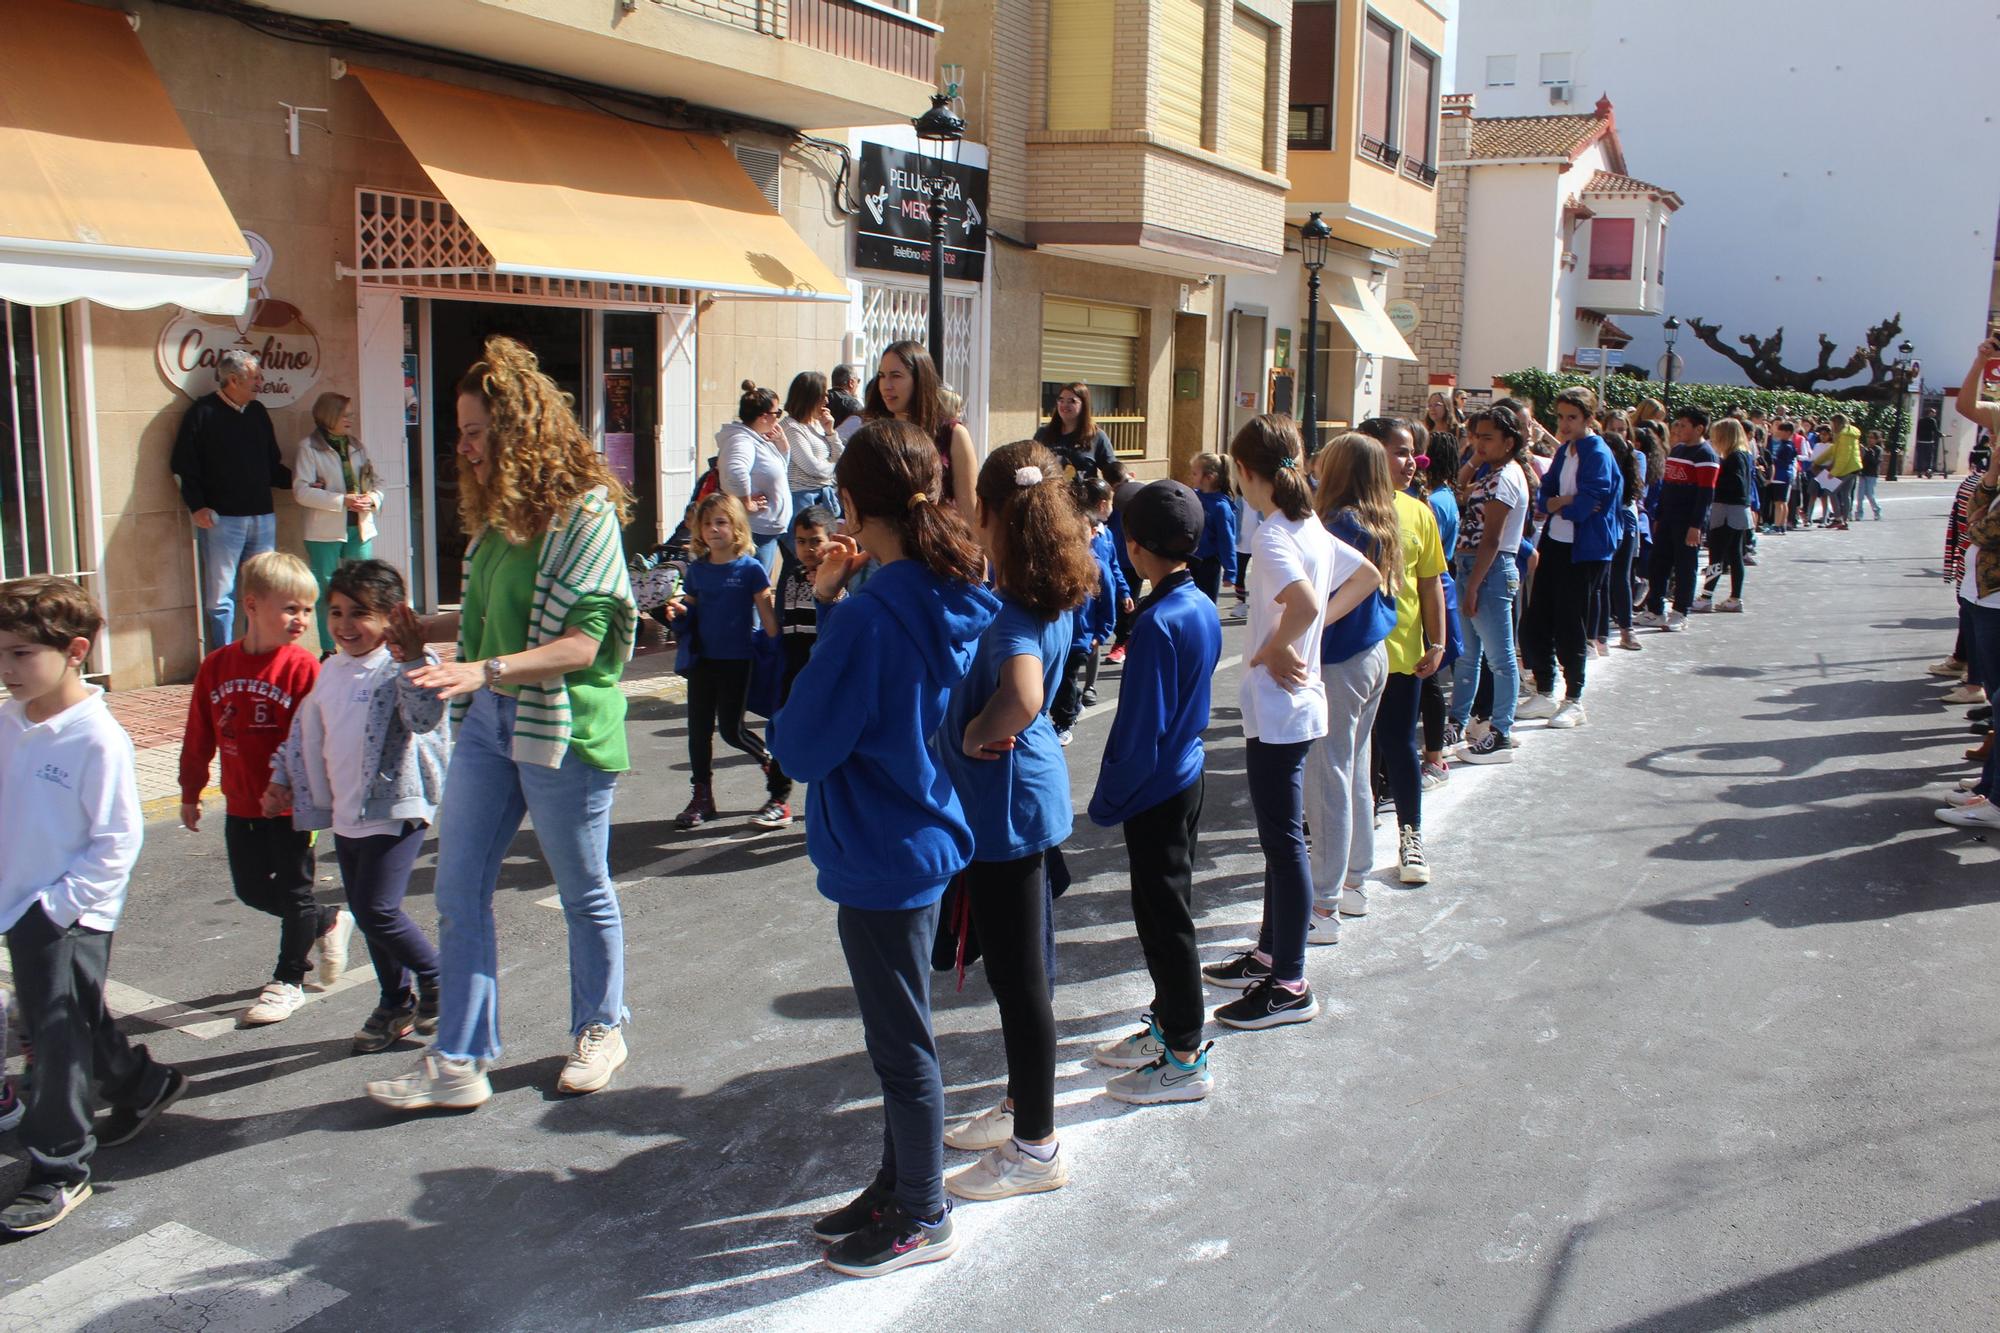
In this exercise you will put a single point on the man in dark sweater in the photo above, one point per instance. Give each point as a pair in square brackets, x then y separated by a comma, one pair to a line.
[840, 399]
[226, 460]
[1687, 489]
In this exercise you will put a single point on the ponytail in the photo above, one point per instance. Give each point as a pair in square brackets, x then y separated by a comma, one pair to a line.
[891, 471]
[1042, 558]
[1270, 447]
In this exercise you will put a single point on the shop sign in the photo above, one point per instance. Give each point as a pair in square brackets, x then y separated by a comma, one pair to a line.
[1405, 315]
[893, 231]
[274, 331]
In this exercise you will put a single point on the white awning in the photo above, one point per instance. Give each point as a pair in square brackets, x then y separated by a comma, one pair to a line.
[1365, 318]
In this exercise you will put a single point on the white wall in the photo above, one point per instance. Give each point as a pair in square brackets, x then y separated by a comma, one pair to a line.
[1513, 318]
[1840, 160]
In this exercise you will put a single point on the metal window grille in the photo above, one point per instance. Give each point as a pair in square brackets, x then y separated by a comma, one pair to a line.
[38, 521]
[892, 314]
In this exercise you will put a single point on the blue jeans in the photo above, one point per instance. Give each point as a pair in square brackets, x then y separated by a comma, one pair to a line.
[1867, 496]
[1276, 773]
[233, 539]
[485, 796]
[826, 497]
[889, 958]
[1489, 630]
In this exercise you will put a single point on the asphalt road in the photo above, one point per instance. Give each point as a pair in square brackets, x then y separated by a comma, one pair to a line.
[1693, 1029]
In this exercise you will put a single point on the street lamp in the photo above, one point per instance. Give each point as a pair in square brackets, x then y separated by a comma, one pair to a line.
[1673, 328]
[940, 131]
[1900, 385]
[1313, 238]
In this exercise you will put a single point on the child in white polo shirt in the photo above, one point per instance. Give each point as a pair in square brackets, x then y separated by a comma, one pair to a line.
[70, 821]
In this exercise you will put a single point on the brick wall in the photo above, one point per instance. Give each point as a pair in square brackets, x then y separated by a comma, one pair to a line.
[768, 16]
[1435, 278]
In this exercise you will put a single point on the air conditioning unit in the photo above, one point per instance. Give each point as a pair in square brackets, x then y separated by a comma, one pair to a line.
[1559, 94]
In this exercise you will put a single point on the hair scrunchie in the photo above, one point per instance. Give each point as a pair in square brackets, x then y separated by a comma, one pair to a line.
[918, 498]
[1028, 476]
[1288, 461]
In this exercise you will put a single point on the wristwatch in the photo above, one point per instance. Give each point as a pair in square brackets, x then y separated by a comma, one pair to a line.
[496, 670]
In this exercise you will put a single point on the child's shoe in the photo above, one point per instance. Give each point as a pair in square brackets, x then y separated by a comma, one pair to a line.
[773, 815]
[1164, 1080]
[384, 1028]
[427, 1014]
[41, 1205]
[1089, 699]
[457, 1085]
[700, 807]
[275, 1003]
[1116, 655]
[126, 1123]
[1133, 1052]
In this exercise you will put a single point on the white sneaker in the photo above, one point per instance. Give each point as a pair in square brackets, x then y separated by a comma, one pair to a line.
[988, 1129]
[1951, 667]
[1571, 714]
[1434, 775]
[1323, 928]
[1354, 900]
[1063, 737]
[1133, 1052]
[1731, 604]
[1962, 797]
[1475, 729]
[332, 947]
[1702, 605]
[457, 1085]
[1413, 869]
[598, 1054]
[1967, 784]
[1650, 620]
[1967, 693]
[275, 1003]
[1676, 622]
[1006, 1171]
[1974, 814]
[1536, 707]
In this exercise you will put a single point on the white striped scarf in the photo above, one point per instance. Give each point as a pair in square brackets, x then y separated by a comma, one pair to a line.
[581, 556]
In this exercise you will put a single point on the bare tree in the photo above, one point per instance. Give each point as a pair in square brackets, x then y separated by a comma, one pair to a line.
[1763, 364]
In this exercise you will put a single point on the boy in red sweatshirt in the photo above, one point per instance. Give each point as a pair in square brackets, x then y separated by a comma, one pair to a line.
[244, 697]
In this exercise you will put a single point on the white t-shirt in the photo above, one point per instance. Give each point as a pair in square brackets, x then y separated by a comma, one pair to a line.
[70, 825]
[1968, 587]
[1560, 527]
[346, 690]
[1511, 489]
[1289, 551]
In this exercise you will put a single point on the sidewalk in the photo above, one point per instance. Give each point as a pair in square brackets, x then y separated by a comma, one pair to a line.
[155, 716]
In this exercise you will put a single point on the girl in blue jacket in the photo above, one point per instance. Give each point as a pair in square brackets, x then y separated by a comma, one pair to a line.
[1097, 621]
[884, 828]
[1008, 769]
[1581, 493]
[1214, 560]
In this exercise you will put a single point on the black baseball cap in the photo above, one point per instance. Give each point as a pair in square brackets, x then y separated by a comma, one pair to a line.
[1165, 518]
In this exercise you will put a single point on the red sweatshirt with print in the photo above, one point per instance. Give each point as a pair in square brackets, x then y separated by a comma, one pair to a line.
[242, 706]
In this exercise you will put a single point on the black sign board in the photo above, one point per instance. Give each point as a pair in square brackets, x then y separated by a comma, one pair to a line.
[893, 231]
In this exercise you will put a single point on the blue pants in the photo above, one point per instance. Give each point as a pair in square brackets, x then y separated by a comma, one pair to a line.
[889, 958]
[1985, 624]
[486, 795]
[1276, 773]
[233, 539]
[376, 873]
[1489, 630]
[1867, 495]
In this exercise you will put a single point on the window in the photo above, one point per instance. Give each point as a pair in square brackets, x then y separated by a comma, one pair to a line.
[1555, 68]
[1660, 264]
[1313, 74]
[1097, 345]
[1378, 92]
[1244, 134]
[39, 528]
[1419, 99]
[1183, 69]
[1080, 34]
[1499, 71]
[1611, 244]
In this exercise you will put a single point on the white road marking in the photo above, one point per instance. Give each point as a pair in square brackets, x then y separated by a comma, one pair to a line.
[172, 1278]
[203, 1024]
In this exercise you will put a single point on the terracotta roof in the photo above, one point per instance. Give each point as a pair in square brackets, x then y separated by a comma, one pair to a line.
[1536, 136]
[1608, 333]
[1610, 182]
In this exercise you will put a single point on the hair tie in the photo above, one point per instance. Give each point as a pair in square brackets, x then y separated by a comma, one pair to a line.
[917, 499]
[1287, 461]
[1028, 476]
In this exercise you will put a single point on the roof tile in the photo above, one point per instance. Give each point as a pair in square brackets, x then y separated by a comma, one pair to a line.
[1610, 182]
[1534, 136]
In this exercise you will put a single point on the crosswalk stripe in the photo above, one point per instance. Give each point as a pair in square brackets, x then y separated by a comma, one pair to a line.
[203, 1024]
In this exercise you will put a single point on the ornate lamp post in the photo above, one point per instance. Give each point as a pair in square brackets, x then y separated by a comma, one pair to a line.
[1313, 238]
[1899, 384]
[940, 130]
[1673, 328]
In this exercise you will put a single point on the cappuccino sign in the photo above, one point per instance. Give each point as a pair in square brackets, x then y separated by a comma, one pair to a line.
[273, 331]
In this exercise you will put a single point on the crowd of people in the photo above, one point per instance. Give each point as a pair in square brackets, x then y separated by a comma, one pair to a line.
[922, 627]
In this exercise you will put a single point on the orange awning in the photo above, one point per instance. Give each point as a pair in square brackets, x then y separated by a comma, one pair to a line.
[553, 192]
[102, 195]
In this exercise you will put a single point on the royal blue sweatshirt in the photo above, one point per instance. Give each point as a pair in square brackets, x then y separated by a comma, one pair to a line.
[1098, 619]
[1218, 533]
[1154, 750]
[1593, 508]
[883, 825]
[1017, 804]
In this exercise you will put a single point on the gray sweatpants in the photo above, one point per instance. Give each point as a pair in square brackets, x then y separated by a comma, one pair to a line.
[1340, 799]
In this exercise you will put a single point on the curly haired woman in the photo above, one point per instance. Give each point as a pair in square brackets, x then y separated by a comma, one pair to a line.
[543, 636]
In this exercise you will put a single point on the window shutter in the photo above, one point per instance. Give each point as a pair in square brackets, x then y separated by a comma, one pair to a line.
[1093, 343]
[1079, 69]
[1419, 91]
[1183, 62]
[1611, 244]
[1378, 77]
[1249, 76]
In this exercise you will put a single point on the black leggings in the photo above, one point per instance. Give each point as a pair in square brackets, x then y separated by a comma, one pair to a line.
[1612, 603]
[1673, 568]
[1395, 739]
[716, 690]
[1010, 912]
[1553, 627]
[1430, 704]
[1069, 691]
[1160, 845]
[1725, 546]
[1207, 571]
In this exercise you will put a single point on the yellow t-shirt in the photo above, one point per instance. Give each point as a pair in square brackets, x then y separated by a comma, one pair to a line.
[1423, 558]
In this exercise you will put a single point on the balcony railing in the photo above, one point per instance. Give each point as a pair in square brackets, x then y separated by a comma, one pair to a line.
[1128, 435]
[1422, 172]
[1377, 151]
[878, 34]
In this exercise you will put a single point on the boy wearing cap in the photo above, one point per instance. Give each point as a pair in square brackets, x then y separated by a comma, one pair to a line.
[1151, 782]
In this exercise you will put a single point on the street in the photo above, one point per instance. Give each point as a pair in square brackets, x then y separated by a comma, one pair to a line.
[1693, 1029]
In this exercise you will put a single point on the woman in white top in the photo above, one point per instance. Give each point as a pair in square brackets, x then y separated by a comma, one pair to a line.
[753, 464]
[335, 485]
[1301, 577]
[815, 445]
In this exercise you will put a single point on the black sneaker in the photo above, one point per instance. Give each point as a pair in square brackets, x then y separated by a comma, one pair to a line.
[1089, 699]
[125, 1123]
[385, 1027]
[427, 1014]
[1452, 734]
[894, 1240]
[1269, 1005]
[863, 1210]
[1491, 748]
[41, 1205]
[1237, 972]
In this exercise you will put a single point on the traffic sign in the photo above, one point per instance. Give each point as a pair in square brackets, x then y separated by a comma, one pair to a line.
[1614, 356]
[1590, 356]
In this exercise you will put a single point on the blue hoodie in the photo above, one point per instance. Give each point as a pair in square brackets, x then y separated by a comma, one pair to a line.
[883, 825]
[1098, 619]
[1218, 533]
[1019, 803]
[1594, 507]
[1154, 750]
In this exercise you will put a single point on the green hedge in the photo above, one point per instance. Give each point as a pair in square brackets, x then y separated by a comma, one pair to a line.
[1541, 387]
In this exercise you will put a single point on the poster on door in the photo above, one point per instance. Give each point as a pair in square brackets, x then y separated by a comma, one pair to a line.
[620, 435]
